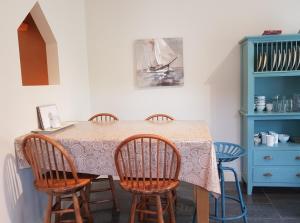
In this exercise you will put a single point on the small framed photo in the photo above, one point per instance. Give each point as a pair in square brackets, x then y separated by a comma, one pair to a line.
[48, 116]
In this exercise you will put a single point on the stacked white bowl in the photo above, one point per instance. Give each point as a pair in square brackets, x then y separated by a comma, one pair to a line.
[260, 103]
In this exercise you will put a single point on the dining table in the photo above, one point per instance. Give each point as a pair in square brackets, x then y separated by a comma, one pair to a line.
[92, 145]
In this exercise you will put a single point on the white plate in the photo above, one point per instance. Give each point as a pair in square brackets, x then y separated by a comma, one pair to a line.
[274, 60]
[289, 59]
[298, 64]
[294, 58]
[265, 62]
[284, 59]
[260, 62]
[279, 60]
[63, 125]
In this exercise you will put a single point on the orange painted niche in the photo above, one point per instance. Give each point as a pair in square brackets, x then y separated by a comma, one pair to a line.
[38, 50]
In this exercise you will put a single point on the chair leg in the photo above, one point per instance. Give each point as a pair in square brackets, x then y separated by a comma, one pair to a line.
[58, 201]
[143, 205]
[49, 209]
[171, 207]
[238, 188]
[222, 194]
[113, 192]
[160, 218]
[77, 208]
[194, 216]
[133, 208]
[86, 206]
[216, 207]
[174, 193]
[88, 191]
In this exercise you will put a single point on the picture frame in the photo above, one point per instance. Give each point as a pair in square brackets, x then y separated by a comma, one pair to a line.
[159, 62]
[48, 116]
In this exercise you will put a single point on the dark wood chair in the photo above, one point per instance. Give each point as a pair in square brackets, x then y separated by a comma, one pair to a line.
[160, 117]
[92, 188]
[55, 174]
[148, 166]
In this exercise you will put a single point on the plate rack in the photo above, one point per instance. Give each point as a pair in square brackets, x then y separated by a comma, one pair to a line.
[276, 56]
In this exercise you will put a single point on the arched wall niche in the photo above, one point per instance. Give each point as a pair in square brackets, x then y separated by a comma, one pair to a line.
[38, 50]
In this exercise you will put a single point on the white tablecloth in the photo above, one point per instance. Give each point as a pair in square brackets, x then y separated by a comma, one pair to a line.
[92, 147]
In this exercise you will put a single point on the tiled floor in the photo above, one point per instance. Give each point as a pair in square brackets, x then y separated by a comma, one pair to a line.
[266, 205]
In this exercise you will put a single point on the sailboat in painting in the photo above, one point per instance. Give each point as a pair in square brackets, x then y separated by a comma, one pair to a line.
[160, 58]
[159, 63]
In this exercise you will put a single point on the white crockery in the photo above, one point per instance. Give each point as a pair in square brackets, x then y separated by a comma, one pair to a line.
[283, 137]
[270, 140]
[259, 109]
[269, 107]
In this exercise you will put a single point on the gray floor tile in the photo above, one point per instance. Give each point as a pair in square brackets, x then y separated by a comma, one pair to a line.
[266, 205]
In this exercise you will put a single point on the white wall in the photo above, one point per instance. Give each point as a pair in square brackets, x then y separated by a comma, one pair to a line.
[210, 30]
[17, 109]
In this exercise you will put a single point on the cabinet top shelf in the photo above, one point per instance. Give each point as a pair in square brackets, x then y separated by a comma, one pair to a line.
[269, 38]
[277, 74]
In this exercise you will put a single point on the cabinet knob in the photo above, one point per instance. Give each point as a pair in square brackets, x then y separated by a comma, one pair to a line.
[297, 158]
[298, 175]
[268, 158]
[267, 174]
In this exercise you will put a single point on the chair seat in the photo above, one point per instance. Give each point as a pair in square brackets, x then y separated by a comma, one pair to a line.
[61, 186]
[149, 188]
[227, 152]
[224, 157]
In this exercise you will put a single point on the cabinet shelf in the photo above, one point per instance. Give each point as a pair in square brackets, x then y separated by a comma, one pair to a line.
[279, 146]
[276, 113]
[270, 74]
[271, 114]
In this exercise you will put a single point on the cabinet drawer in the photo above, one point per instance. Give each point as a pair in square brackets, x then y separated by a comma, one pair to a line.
[276, 157]
[278, 174]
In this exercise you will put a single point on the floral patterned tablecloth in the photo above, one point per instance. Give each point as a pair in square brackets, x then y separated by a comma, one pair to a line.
[92, 147]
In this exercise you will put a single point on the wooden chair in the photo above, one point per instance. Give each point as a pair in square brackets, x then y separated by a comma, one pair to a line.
[103, 117]
[159, 117]
[55, 174]
[148, 166]
[163, 118]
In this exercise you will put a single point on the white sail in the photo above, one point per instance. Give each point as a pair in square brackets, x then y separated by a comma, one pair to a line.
[163, 53]
[149, 55]
[157, 56]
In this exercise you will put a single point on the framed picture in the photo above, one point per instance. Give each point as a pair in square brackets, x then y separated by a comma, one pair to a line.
[159, 62]
[48, 116]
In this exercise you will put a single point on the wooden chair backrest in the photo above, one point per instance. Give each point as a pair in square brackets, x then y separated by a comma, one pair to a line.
[147, 157]
[160, 117]
[103, 117]
[48, 159]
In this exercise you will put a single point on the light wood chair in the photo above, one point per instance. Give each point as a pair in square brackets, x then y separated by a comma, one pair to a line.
[103, 117]
[163, 118]
[159, 117]
[55, 174]
[148, 166]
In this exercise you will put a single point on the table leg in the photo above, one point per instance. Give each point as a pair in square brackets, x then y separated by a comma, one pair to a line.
[202, 202]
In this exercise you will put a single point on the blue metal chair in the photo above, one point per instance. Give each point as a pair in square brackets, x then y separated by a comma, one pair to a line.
[227, 152]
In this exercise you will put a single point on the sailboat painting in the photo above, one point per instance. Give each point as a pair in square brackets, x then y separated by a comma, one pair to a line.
[159, 62]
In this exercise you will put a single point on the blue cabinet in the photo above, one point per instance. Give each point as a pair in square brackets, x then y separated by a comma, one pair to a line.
[270, 66]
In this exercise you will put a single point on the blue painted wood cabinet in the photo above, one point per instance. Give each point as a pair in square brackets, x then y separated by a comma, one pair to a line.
[270, 67]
